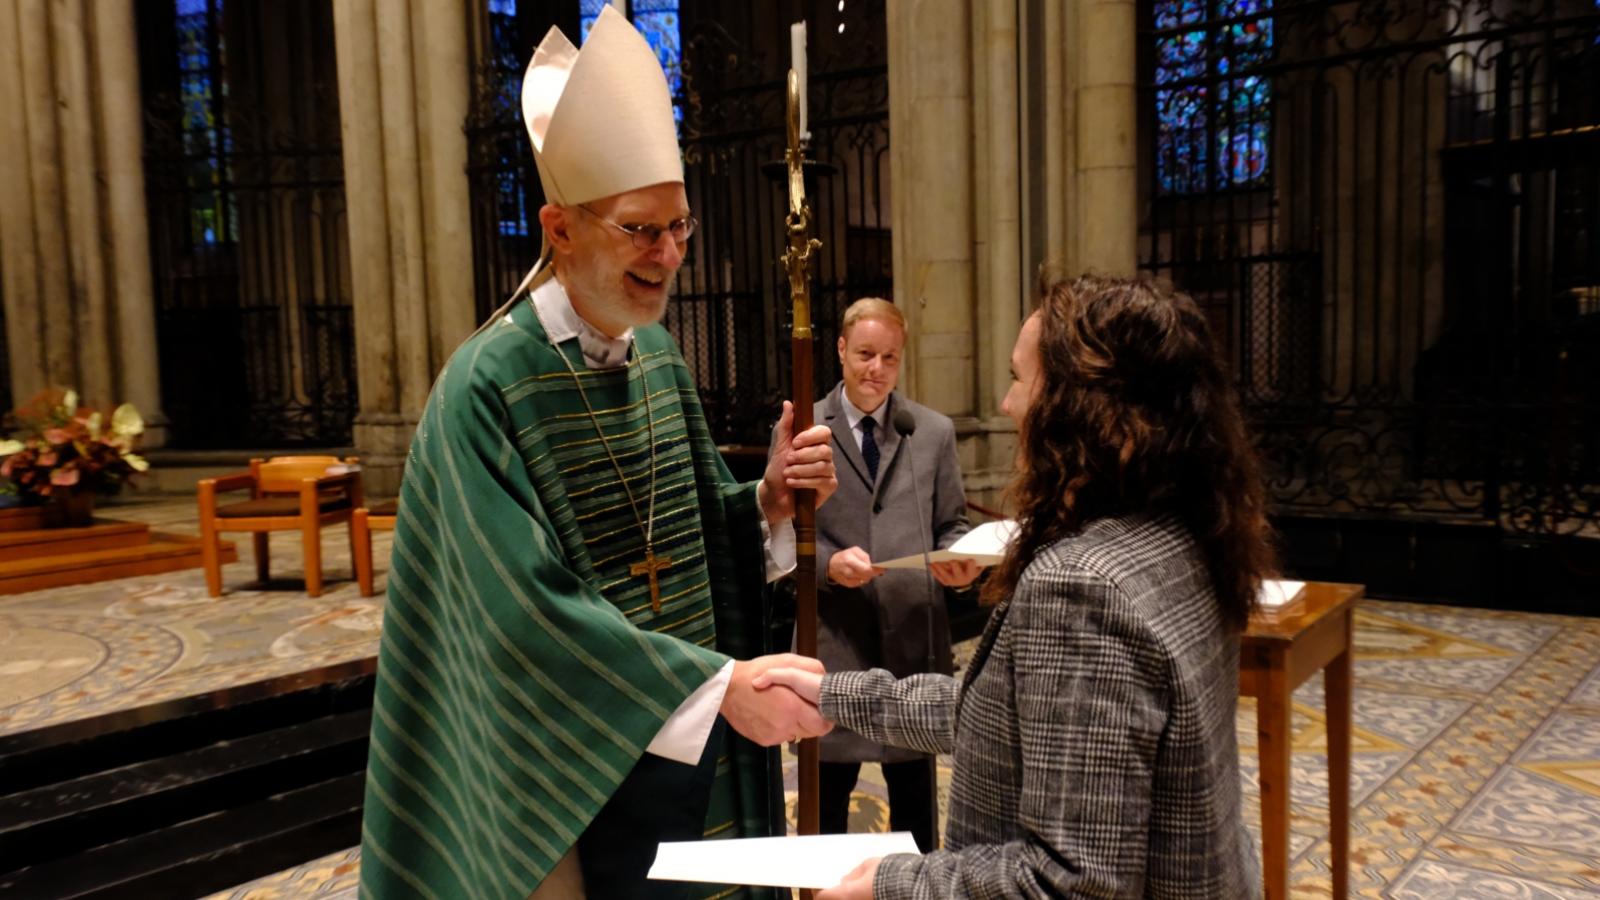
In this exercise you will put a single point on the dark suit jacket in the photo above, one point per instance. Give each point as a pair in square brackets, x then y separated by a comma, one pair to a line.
[886, 623]
[1093, 733]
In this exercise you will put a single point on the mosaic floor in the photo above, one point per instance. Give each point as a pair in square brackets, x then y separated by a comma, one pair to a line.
[72, 652]
[1477, 734]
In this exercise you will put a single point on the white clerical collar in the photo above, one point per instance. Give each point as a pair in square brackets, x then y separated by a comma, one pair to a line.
[854, 415]
[561, 323]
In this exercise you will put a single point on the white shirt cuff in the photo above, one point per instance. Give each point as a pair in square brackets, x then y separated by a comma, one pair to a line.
[778, 549]
[683, 737]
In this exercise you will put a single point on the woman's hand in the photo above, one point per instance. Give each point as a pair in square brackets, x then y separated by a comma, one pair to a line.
[808, 685]
[855, 886]
[957, 573]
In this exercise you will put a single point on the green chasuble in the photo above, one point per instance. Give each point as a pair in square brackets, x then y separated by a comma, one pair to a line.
[522, 670]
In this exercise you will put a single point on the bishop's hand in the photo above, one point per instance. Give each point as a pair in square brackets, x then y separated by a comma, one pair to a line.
[775, 715]
[798, 462]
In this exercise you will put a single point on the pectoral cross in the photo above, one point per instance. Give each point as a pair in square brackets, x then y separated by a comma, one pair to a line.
[651, 565]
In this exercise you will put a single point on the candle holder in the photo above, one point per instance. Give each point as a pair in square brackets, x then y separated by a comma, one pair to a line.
[778, 170]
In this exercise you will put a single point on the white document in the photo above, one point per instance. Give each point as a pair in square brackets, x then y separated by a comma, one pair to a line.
[1278, 594]
[810, 861]
[984, 545]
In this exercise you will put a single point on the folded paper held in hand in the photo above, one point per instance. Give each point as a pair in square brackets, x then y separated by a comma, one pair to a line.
[809, 861]
[984, 545]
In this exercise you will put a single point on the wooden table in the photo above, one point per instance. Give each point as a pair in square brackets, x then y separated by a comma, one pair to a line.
[1280, 651]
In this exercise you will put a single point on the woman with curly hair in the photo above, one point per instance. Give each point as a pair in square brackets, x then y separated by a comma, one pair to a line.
[1093, 731]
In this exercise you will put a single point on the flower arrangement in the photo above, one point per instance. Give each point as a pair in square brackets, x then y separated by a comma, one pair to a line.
[59, 447]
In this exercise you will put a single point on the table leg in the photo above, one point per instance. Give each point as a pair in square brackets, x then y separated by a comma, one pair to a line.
[1336, 680]
[1275, 736]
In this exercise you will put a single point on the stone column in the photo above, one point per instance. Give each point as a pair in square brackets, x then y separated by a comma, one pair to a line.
[931, 146]
[954, 157]
[73, 231]
[1082, 169]
[403, 91]
[1107, 212]
[998, 166]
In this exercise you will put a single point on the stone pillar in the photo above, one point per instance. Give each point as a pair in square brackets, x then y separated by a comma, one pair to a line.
[1107, 212]
[403, 93]
[1082, 172]
[954, 157]
[931, 145]
[74, 230]
[998, 166]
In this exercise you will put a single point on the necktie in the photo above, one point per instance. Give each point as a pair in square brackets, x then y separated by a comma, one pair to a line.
[869, 446]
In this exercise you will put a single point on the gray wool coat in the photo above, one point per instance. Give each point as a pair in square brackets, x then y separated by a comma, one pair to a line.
[1093, 734]
[886, 622]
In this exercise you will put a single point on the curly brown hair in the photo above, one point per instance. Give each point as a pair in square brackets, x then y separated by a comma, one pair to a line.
[1134, 413]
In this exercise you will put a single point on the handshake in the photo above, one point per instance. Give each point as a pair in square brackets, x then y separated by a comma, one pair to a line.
[773, 699]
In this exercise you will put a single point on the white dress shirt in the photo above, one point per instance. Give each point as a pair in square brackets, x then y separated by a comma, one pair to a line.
[853, 415]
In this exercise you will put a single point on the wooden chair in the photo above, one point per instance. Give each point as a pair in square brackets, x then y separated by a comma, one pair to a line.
[379, 517]
[287, 493]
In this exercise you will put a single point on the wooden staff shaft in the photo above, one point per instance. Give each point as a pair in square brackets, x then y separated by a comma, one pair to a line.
[805, 575]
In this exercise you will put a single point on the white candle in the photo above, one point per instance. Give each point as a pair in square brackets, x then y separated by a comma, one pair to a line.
[797, 61]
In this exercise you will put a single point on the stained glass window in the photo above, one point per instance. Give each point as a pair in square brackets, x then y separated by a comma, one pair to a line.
[588, 11]
[206, 141]
[511, 201]
[1214, 118]
[657, 20]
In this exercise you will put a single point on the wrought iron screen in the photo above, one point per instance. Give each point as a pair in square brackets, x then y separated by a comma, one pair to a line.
[1391, 212]
[730, 311]
[247, 222]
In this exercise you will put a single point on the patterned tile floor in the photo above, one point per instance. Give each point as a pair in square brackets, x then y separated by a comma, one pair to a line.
[1477, 739]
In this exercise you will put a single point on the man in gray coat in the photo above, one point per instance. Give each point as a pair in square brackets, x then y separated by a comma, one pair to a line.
[898, 495]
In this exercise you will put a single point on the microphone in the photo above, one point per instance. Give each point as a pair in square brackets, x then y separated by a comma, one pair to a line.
[905, 425]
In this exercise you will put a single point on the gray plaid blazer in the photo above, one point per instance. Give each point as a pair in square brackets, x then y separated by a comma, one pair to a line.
[1093, 732]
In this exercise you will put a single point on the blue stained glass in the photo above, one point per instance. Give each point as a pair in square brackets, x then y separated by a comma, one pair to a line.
[205, 144]
[1220, 138]
[657, 20]
[1183, 56]
[1173, 13]
[505, 39]
[588, 11]
[1181, 139]
[1229, 9]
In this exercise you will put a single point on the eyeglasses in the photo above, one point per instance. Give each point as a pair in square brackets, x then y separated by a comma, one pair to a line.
[647, 236]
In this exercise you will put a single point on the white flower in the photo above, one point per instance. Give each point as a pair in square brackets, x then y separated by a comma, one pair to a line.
[126, 422]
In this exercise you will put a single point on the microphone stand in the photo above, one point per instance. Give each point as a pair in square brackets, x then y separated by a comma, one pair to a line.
[905, 425]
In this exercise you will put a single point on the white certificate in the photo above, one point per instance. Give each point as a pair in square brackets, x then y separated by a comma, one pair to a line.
[984, 545]
[809, 861]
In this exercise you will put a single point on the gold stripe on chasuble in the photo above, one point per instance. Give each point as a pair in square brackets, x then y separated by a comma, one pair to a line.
[666, 516]
[670, 626]
[579, 421]
[666, 487]
[616, 437]
[560, 379]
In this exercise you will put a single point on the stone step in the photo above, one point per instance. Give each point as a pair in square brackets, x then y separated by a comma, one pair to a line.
[185, 797]
[104, 534]
[64, 560]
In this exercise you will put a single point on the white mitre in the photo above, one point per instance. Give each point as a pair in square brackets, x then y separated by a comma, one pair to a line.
[600, 118]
